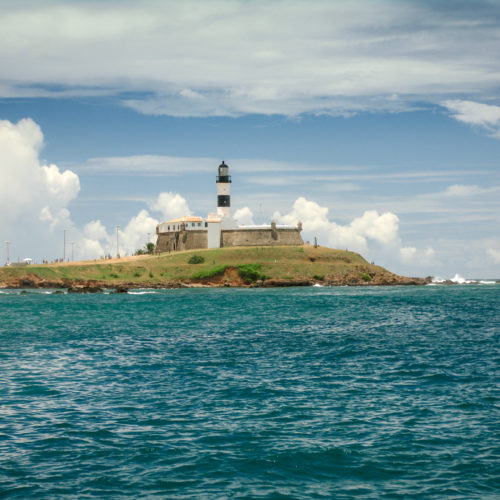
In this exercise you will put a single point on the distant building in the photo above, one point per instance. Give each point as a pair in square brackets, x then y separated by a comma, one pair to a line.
[220, 229]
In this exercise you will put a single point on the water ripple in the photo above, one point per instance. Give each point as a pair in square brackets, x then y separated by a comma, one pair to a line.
[302, 393]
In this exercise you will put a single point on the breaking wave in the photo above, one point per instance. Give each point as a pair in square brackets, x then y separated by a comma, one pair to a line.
[460, 280]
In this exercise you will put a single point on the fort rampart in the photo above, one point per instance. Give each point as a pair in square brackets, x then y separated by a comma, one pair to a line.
[190, 240]
[181, 240]
[260, 237]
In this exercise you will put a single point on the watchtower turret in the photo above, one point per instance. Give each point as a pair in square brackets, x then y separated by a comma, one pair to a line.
[223, 191]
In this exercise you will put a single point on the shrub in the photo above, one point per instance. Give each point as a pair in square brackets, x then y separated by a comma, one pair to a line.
[151, 275]
[196, 259]
[113, 275]
[148, 249]
[366, 277]
[319, 277]
[250, 272]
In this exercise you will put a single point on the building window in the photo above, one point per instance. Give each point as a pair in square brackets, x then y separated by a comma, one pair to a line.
[206, 224]
[192, 224]
[199, 224]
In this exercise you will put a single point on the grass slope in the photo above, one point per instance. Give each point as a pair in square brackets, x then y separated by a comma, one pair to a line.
[297, 262]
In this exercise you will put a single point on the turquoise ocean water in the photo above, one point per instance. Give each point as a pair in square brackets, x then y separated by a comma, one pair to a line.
[386, 392]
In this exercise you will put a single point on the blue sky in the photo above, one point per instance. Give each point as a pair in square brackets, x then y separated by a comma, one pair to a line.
[377, 124]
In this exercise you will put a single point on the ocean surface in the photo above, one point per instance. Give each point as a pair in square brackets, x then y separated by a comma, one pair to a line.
[388, 392]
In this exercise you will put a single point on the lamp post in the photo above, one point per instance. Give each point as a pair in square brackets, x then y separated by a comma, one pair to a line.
[72, 250]
[64, 251]
[7, 244]
[117, 241]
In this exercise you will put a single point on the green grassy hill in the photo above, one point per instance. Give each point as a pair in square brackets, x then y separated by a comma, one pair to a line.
[237, 266]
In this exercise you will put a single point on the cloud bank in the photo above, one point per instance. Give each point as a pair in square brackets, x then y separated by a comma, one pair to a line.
[228, 58]
[34, 201]
[371, 234]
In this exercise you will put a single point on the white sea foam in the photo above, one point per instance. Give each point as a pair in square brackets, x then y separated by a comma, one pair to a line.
[459, 280]
[318, 285]
[437, 279]
[142, 293]
[487, 282]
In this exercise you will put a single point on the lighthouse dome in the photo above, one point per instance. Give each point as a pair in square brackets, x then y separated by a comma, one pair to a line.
[223, 173]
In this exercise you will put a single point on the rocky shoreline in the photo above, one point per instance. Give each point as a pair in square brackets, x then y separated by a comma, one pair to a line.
[96, 286]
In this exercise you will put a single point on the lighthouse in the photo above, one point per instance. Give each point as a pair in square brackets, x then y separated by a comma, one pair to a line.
[223, 191]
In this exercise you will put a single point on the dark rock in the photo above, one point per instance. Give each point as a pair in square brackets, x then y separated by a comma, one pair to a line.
[285, 282]
[26, 282]
[121, 289]
[84, 289]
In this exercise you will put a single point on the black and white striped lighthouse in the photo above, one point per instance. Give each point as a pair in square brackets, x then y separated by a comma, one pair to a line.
[223, 191]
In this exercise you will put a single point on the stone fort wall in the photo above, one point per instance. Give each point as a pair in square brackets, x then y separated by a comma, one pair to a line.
[181, 240]
[191, 240]
[261, 237]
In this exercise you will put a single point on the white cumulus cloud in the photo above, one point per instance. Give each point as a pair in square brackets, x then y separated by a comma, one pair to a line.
[97, 241]
[371, 234]
[134, 236]
[63, 186]
[34, 199]
[33, 196]
[170, 205]
[244, 216]
[382, 228]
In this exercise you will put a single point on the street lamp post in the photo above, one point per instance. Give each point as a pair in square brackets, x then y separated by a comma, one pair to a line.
[64, 251]
[117, 241]
[7, 244]
[72, 250]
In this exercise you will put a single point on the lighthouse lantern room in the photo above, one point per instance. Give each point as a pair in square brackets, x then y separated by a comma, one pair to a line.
[223, 191]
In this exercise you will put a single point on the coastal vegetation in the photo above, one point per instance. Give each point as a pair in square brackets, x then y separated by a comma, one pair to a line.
[148, 249]
[237, 266]
[196, 259]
